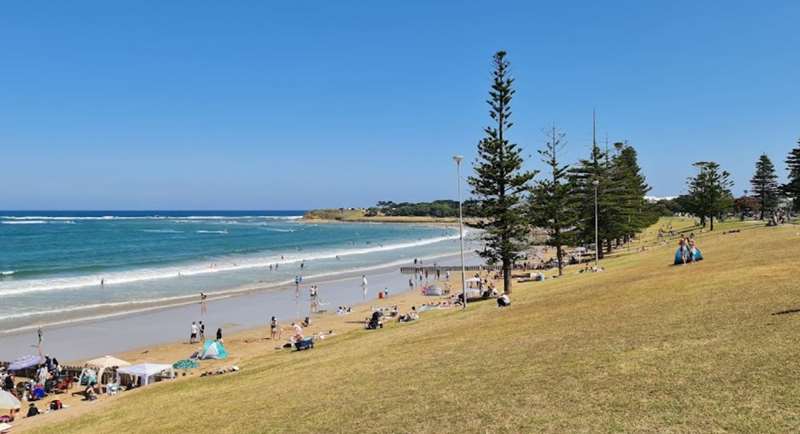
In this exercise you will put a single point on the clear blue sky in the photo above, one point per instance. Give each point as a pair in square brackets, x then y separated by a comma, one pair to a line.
[285, 105]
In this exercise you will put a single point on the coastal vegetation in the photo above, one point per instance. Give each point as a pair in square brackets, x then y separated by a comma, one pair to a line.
[500, 182]
[765, 185]
[549, 206]
[792, 187]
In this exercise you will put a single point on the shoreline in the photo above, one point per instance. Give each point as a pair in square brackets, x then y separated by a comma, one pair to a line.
[15, 323]
[79, 338]
[76, 316]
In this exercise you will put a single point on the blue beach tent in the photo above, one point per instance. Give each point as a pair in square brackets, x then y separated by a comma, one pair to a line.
[213, 350]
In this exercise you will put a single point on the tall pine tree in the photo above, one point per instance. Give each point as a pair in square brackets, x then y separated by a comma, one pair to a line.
[710, 192]
[500, 182]
[792, 186]
[596, 168]
[765, 185]
[631, 189]
[550, 208]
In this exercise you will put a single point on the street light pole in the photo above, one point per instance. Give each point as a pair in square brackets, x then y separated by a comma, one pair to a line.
[458, 159]
[596, 234]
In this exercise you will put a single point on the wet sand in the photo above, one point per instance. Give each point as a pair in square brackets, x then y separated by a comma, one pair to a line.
[93, 338]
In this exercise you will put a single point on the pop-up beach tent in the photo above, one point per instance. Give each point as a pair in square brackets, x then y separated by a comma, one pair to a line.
[432, 290]
[25, 362]
[105, 362]
[213, 350]
[146, 371]
[8, 401]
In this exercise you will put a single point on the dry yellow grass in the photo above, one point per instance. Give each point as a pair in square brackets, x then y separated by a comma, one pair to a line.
[643, 347]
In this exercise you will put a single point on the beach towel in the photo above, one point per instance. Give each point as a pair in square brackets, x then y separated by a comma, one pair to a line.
[185, 364]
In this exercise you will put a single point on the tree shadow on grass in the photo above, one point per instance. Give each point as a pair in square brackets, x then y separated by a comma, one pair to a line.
[786, 312]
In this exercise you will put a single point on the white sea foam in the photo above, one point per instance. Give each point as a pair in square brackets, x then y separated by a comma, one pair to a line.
[153, 217]
[20, 287]
[24, 222]
[130, 307]
[211, 232]
[276, 229]
[162, 231]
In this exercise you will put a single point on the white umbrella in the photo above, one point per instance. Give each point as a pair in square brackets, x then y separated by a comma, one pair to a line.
[8, 401]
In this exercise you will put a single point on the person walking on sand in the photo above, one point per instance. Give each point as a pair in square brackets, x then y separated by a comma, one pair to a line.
[219, 335]
[193, 333]
[39, 340]
[364, 285]
[202, 332]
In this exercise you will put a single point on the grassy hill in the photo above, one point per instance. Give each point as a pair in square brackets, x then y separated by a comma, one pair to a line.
[644, 346]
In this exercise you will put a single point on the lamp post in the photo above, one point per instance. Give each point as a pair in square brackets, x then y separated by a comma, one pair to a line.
[596, 234]
[458, 159]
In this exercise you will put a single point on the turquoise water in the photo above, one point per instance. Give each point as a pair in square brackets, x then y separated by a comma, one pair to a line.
[57, 264]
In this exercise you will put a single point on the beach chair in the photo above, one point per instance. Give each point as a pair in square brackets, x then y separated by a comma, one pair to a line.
[112, 389]
[63, 385]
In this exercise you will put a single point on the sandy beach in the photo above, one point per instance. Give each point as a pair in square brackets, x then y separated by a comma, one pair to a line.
[162, 337]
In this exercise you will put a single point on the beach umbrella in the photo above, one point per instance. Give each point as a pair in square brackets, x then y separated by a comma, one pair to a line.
[8, 401]
[25, 362]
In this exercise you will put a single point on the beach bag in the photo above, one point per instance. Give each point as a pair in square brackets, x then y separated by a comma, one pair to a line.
[304, 344]
[55, 404]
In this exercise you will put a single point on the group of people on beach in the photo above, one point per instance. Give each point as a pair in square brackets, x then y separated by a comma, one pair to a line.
[197, 332]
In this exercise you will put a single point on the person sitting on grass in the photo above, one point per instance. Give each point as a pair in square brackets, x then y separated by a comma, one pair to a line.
[374, 322]
[503, 301]
[297, 332]
[694, 252]
[682, 254]
[410, 316]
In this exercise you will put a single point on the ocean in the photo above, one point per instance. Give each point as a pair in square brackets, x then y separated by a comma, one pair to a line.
[63, 266]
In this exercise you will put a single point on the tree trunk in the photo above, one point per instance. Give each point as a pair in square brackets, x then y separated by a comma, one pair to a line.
[507, 276]
[559, 256]
[711, 219]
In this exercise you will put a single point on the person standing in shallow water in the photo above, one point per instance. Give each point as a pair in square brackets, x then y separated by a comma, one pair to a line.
[364, 285]
[203, 304]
